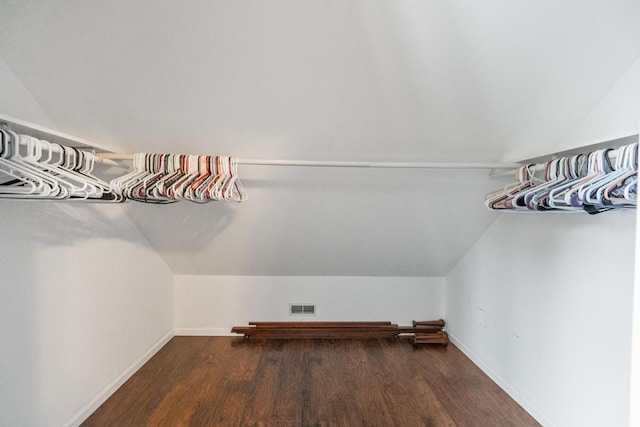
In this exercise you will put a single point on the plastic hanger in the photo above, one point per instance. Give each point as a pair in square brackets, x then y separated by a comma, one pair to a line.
[619, 191]
[577, 169]
[501, 199]
[13, 182]
[522, 200]
[75, 185]
[204, 171]
[46, 185]
[174, 172]
[558, 174]
[201, 192]
[235, 190]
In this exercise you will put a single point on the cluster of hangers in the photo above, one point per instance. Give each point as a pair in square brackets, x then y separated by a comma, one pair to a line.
[167, 178]
[31, 168]
[34, 169]
[596, 182]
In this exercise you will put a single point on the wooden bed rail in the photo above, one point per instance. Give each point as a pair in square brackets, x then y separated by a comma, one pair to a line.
[422, 332]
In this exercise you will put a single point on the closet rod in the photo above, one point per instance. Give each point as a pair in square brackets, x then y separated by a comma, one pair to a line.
[349, 164]
[389, 165]
[107, 157]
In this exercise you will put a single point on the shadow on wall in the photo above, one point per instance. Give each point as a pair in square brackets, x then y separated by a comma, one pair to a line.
[182, 226]
[53, 223]
[72, 274]
[64, 223]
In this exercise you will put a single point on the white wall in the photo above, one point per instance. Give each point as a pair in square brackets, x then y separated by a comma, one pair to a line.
[615, 116]
[634, 410]
[542, 302]
[83, 298]
[634, 417]
[213, 304]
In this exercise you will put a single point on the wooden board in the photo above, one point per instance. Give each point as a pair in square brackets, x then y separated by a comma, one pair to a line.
[331, 330]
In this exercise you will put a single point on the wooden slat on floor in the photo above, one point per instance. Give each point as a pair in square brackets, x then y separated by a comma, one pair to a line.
[228, 381]
[428, 330]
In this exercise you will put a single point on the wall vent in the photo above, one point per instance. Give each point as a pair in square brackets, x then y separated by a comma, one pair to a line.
[302, 309]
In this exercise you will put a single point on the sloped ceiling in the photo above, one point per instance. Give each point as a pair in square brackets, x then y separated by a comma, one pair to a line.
[331, 80]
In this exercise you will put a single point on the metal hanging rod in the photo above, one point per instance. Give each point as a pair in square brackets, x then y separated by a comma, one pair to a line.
[387, 165]
[108, 157]
[349, 164]
[40, 132]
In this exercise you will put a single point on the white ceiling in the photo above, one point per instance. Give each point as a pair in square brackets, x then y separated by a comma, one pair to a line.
[335, 80]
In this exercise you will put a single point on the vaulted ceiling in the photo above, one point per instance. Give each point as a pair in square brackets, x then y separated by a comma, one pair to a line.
[331, 80]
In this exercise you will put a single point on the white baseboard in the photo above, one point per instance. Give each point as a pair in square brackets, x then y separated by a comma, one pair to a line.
[205, 332]
[107, 391]
[512, 392]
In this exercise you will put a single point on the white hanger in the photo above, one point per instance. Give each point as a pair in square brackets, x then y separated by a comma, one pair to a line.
[502, 199]
[46, 186]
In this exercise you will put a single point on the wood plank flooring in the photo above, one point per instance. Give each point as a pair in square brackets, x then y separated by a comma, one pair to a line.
[231, 381]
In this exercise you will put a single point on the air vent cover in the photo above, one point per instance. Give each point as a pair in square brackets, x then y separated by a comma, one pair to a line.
[302, 309]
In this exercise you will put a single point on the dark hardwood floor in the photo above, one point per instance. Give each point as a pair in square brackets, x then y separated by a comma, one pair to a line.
[229, 381]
